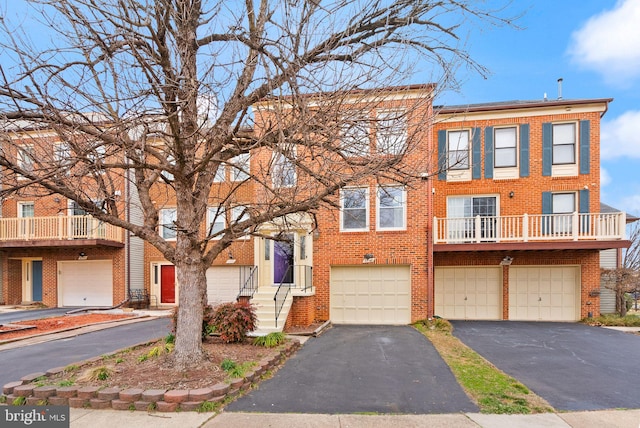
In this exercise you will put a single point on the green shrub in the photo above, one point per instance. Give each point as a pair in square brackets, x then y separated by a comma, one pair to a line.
[234, 369]
[614, 320]
[233, 320]
[271, 340]
[435, 323]
[228, 365]
[207, 325]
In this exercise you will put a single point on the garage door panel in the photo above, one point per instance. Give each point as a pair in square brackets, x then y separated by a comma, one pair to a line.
[547, 293]
[86, 283]
[468, 293]
[370, 294]
[222, 284]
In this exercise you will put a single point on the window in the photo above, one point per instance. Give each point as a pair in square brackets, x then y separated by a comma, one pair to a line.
[505, 147]
[303, 247]
[355, 135]
[458, 149]
[220, 174]
[391, 132]
[26, 209]
[167, 223]
[172, 162]
[240, 171]
[563, 205]
[239, 214]
[25, 158]
[564, 143]
[391, 207]
[62, 153]
[461, 214]
[215, 220]
[283, 172]
[355, 209]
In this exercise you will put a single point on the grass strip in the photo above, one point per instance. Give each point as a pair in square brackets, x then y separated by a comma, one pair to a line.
[491, 389]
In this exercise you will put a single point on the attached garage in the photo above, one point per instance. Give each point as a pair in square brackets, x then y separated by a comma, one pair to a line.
[370, 294]
[222, 284]
[85, 283]
[472, 293]
[544, 293]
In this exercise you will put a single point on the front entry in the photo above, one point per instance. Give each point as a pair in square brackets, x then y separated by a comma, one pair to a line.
[283, 260]
[36, 280]
[167, 284]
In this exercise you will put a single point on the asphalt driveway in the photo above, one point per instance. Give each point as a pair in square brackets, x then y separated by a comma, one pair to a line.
[354, 369]
[572, 366]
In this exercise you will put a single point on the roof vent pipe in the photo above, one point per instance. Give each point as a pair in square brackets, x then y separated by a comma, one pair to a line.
[560, 88]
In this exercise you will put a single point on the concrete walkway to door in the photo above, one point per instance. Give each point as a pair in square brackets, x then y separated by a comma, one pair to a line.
[361, 369]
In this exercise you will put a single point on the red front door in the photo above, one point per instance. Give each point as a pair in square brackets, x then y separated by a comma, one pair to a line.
[167, 284]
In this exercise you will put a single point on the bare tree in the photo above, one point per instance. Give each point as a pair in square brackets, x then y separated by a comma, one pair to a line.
[159, 94]
[626, 279]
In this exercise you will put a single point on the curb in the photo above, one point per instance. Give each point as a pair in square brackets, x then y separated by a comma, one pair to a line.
[161, 400]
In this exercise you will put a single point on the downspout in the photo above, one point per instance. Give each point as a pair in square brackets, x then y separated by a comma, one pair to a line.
[128, 239]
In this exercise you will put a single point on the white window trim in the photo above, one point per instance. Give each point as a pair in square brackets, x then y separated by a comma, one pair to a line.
[22, 204]
[25, 152]
[349, 124]
[399, 118]
[235, 212]
[238, 174]
[211, 211]
[515, 148]
[576, 140]
[469, 143]
[162, 223]
[278, 161]
[366, 206]
[403, 206]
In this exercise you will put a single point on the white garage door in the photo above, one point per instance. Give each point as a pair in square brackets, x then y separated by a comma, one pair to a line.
[222, 284]
[546, 293]
[472, 293]
[371, 295]
[85, 283]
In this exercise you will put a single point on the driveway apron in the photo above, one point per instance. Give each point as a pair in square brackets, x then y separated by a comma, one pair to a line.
[572, 366]
[351, 369]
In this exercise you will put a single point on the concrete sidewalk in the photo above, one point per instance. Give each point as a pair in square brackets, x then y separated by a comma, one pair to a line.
[81, 418]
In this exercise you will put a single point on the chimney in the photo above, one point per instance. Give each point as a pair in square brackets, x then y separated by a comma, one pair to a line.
[560, 88]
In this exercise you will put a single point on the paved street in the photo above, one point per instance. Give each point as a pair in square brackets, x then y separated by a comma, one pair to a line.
[59, 353]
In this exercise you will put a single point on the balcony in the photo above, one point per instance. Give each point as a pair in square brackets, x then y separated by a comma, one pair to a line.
[581, 230]
[58, 231]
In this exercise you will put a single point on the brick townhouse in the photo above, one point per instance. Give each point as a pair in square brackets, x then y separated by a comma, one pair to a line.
[498, 218]
[51, 250]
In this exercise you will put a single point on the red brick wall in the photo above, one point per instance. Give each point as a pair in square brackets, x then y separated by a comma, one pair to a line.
[302, 312]
[588, 260]
[528, 190]
[12, 283]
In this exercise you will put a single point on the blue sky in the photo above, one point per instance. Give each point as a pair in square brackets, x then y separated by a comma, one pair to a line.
[594, 45]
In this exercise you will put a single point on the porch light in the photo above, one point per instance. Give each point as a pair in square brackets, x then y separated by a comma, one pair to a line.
[506, 261]
[368, 258]
[82, 256]
[231, 260]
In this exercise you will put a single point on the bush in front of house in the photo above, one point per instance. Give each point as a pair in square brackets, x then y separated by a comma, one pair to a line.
[232, 321]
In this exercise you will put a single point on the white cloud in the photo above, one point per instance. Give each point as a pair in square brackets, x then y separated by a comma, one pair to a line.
[608, 42]
[605, 178]
[620, 137]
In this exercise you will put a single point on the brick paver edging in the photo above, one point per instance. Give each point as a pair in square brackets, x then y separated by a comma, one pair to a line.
[161, 400]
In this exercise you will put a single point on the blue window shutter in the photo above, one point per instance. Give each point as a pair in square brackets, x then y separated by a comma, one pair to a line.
[584, 201]
[547, 154]
[546, 209]
[583, 209]
[524, 150]
[488, 152]
[476, 169]
[442, 155]
[585, 138]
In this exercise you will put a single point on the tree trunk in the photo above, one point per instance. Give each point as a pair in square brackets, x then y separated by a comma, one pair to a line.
[192, 282]
[621, 304]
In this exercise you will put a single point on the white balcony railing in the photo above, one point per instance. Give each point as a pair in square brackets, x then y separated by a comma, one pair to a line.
[57, 228]
[525, 228]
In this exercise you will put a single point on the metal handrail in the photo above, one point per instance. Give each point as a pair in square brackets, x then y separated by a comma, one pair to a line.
[249, 285]
[278, 299]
